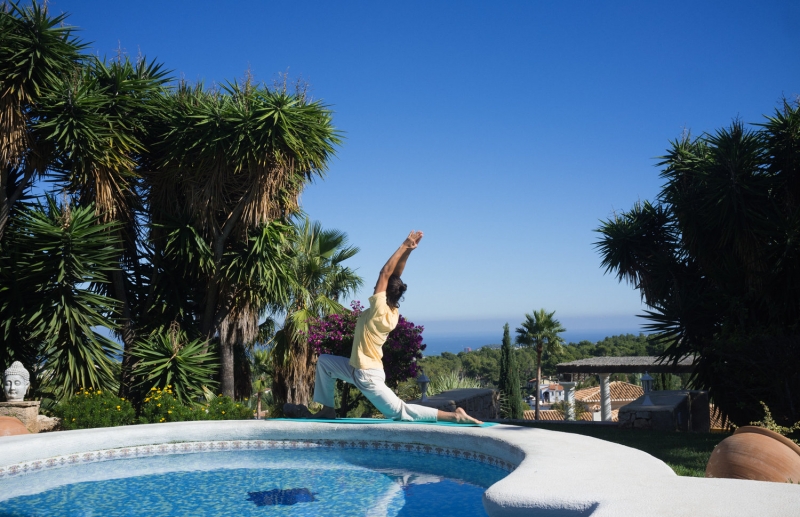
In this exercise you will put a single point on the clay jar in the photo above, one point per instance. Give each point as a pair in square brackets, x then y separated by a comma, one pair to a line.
[755, 453]
[10, 426]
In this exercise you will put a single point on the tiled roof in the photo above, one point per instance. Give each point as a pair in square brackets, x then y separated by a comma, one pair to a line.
[555, 387]
[619, 391]
[552, 415]
[639, 364]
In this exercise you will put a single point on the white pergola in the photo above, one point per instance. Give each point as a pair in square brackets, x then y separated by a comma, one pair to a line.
[605, 366]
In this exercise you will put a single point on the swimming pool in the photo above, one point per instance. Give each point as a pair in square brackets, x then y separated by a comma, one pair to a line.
[257, 478]
[550, 473]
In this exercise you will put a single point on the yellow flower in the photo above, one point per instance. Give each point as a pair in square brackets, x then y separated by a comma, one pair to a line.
[169, 411]
[118, 408]
[161, 420]
[223, 412]
[153, 388]
[158, 405]
[99, 392]
[73, 419]
[147, 399]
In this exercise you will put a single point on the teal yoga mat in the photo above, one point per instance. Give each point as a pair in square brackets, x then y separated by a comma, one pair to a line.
[384, 421]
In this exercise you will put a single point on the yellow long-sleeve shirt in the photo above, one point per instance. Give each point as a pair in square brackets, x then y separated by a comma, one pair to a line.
[372, 330]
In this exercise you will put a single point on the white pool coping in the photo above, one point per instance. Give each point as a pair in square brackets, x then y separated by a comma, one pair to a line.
[557, 473]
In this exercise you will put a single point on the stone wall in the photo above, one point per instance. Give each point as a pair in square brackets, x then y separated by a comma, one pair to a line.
[480, 403]
[26, 411]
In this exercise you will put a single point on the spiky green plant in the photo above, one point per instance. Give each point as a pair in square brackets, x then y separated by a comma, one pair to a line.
[54, 258]
[716, 259]
[452, 380]
[229, 162]
[169, 359]
[37, 50]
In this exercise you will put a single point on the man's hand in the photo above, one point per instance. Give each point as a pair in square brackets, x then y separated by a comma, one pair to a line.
[413, 239]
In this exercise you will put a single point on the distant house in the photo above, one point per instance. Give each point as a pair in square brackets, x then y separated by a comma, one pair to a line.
[549, 391]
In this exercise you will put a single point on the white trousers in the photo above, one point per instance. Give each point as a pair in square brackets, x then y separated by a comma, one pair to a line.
[372, 384]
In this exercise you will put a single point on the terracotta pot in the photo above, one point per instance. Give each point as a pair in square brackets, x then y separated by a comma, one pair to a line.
[10, 426]
[755, 453]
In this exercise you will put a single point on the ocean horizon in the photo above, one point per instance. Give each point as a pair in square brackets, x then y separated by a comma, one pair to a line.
[438, 343]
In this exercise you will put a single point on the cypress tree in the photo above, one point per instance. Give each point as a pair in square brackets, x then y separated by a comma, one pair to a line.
[509, 377]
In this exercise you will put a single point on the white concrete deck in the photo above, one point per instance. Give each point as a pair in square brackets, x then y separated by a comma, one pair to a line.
[557, 474]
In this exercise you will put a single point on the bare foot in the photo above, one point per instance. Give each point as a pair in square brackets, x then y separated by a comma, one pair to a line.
[463, 418]
[459, 416]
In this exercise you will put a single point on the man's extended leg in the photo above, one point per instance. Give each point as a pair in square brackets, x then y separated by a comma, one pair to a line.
[372, 384]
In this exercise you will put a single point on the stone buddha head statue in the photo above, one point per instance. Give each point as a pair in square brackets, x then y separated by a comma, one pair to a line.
[16, 382]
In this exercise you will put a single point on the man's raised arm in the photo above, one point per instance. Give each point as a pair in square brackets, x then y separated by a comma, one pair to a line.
[397, 262]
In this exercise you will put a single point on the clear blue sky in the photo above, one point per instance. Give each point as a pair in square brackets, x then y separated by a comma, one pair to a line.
[504, 130]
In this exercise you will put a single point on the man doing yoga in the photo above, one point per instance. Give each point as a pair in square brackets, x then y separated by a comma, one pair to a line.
[365, 367]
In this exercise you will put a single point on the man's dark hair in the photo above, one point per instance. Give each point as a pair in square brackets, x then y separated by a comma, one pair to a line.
[394, 291]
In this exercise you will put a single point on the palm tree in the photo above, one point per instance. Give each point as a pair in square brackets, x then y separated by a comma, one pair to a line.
[540, 330]
[224, 166]
[37, 50]
[320, 280]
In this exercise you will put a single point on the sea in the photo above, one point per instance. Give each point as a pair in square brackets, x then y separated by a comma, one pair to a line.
[438, 343]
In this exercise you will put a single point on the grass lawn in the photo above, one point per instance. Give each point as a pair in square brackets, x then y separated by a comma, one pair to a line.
[686, 453]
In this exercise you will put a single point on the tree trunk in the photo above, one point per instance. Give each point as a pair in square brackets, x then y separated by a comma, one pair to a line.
[538, 377]
[128, 335]
[226, 368]
[294, 382]
[5, 206]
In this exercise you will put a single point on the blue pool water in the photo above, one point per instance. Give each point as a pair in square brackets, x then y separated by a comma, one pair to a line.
[285, 482]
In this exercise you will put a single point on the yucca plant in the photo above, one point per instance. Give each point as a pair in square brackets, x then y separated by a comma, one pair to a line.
[37, 50]
[229, 162]
[94, 120]
[170, 359]
[716, 259]
[54, 259]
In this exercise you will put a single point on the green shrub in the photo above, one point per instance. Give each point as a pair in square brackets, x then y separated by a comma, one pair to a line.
[225, 408]
[163, 406]
[451, 381]
[94, 408]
